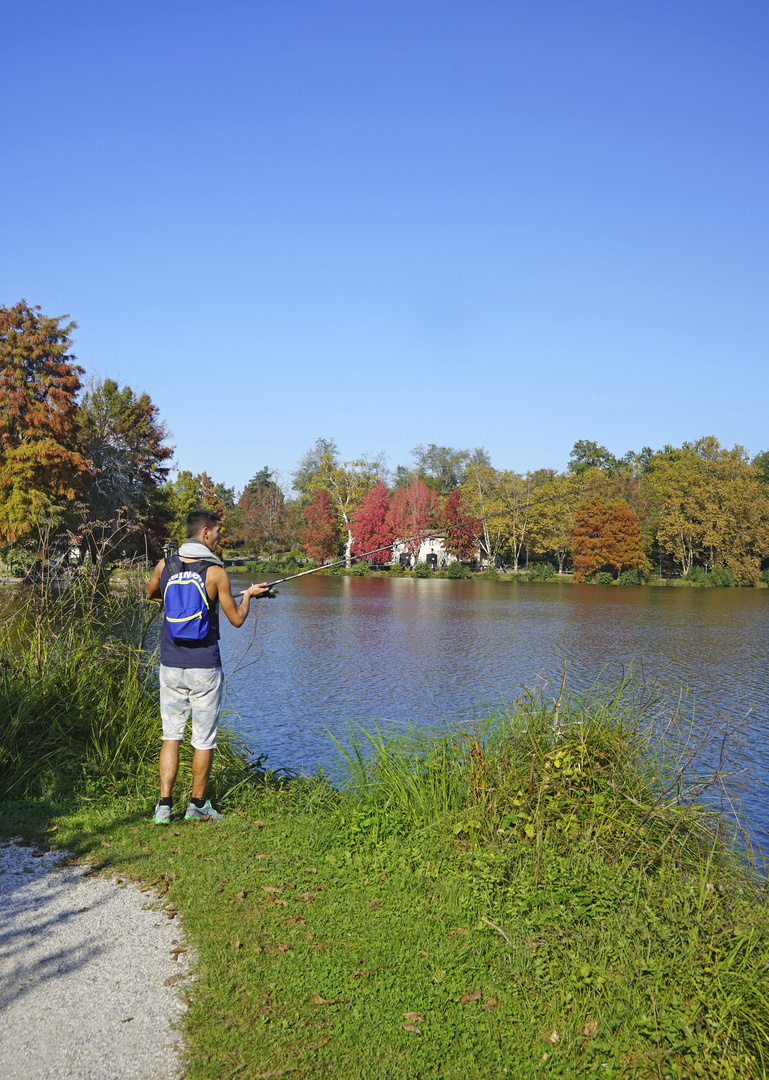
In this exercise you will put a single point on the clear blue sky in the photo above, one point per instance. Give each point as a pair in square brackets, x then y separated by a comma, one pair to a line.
[389, 222]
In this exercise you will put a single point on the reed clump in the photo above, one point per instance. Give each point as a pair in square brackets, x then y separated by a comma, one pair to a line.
[79, 711]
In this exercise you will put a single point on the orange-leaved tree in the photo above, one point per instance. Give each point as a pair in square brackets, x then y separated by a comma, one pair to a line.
[41, 466]
[321, 535]
[606, 533]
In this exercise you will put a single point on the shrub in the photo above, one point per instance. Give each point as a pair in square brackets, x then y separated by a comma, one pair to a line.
[696, 576]
[604, 578]
[629, 577]
[722, 577]
[765, 576]
[456, 570]
[422, 569]
[541, 571]
[491, 574]
[360, 569]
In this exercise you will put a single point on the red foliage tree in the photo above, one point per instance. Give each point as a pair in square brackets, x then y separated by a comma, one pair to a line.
[371, 525]
[320, 536]
[414, 511]
[461, 542]
[606, 533]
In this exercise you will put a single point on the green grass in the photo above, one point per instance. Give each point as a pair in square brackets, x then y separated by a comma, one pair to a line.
[547, 895]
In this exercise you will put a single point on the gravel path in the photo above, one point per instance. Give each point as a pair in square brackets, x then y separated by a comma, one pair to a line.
[83, 967]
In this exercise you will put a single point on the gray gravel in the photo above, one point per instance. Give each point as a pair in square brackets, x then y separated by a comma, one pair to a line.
[83, 962]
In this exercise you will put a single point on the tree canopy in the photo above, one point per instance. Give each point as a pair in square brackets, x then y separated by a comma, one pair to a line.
[42, 467]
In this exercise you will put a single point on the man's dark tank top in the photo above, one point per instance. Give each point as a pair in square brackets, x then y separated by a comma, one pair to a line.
[190, 654]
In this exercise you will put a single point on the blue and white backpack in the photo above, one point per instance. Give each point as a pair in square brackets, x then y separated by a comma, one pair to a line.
[186, 604]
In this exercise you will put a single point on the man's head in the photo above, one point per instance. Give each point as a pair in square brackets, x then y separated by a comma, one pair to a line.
[201, 524]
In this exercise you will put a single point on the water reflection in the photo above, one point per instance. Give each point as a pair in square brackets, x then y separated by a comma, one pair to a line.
[329, 651]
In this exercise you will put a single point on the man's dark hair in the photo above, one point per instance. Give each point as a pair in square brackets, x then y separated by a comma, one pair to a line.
[200, 519]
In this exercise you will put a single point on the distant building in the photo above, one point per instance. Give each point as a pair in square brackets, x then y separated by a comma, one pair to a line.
[430, 550]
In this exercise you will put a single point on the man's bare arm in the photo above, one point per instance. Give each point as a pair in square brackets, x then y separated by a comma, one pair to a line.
[153, 589]
[236, 613]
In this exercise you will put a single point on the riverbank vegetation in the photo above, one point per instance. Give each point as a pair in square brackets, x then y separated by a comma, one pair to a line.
[85, 476]
[549, 894]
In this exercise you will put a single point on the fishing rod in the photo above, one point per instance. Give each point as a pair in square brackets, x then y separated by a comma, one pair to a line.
[376, 551]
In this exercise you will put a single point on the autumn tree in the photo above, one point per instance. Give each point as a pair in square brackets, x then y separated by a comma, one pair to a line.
[321, 534]
[211, 499]
[262, 513]
[708, 504]
[414, 511]
[460, 539]
[553, 501]
[606, 534]
[371, 524]
[501, 499]
[41, 466]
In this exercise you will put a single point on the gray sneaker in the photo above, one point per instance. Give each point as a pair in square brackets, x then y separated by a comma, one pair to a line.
[196, 813]
[162, 815]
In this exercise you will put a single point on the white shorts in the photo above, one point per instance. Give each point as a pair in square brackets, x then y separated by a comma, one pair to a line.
[191, 691]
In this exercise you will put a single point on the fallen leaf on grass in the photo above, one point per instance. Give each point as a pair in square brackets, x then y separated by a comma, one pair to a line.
[294, 920]
[242, 894]
[415, 1017]
[281, 948]
[374, 905]
[491, 1004]
[96, 867]
[310, 870]
[270, 889]
[382, 878]
[459, 930]
[275, 902]
[321, 945]
[307, 897]
[467, 998]
[259, 870]
[55, 827]
[257, 948]
[105, 844]
[175, 952]
[262, 854]
[319, 1043]
[552, 1038]
[172, 979]
[316, 999]
[590, 1029]
[259, 824]
[411, 1028]
[236, 944]
[360, 974]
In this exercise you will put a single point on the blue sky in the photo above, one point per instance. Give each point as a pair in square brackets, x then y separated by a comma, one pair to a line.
[500, 224]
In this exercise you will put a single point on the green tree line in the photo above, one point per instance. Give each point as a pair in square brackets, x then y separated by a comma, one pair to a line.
[88, 461]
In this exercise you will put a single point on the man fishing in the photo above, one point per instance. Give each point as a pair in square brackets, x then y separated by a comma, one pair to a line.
[192, 586]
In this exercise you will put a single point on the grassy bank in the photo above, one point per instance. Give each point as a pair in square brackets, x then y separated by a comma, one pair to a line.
[546, 896]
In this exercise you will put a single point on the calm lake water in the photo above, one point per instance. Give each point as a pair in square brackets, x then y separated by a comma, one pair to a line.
[329, 652]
